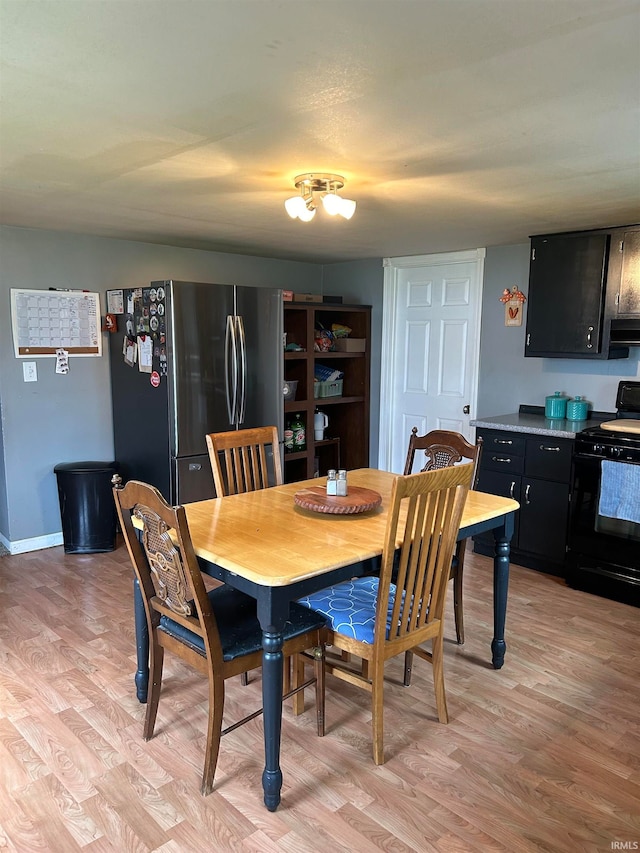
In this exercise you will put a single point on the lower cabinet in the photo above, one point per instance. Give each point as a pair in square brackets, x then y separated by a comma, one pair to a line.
[535, 470]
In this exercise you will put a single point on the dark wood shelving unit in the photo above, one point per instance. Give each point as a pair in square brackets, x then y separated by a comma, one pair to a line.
[347, 437]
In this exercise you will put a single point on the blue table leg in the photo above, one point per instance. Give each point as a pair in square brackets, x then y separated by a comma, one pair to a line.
[142, 643]
[272, 663]
[273, 611]
[502, 536]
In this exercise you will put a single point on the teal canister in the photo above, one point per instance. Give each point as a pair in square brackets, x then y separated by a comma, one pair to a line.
[577, 409]
[555, 406]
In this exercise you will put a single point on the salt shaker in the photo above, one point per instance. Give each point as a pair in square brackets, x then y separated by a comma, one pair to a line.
[332, 483]
[342, 483]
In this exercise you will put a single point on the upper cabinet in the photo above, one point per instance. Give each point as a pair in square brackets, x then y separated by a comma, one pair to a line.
[579, 286]
[625, 268]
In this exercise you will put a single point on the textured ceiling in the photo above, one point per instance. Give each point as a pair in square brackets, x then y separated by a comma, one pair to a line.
[457, 123]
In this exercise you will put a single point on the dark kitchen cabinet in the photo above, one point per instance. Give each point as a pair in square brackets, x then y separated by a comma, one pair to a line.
[534, 470]
[346, 442]
[625, 269]
[628, 248]
[574, 280]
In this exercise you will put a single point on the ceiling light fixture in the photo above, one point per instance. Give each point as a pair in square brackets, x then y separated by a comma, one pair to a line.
[304, 206]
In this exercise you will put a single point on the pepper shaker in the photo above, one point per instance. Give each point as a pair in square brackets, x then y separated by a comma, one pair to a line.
[342, 483]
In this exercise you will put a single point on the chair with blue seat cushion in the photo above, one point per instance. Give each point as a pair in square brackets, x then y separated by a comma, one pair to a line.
[442, 448]
[216, 632]
[378, 618]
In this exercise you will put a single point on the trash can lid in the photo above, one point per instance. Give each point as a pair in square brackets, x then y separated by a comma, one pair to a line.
[82, 467]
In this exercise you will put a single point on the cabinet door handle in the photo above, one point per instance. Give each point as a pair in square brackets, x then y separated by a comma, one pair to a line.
[589, 344]
[501, 441]
[526, 494]
[505, 459]
[550, 449]
[511, 488]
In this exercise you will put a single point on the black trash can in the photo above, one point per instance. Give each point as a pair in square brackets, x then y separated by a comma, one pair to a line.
[87, 508]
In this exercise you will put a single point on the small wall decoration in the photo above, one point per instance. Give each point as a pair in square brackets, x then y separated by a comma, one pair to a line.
[513, 301]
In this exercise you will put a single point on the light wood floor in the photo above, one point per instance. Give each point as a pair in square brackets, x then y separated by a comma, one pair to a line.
[542, 755]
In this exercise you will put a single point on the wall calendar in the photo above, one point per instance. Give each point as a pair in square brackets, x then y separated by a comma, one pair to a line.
[44, 321]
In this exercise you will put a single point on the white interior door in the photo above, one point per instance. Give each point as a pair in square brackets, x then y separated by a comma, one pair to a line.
[430, 348]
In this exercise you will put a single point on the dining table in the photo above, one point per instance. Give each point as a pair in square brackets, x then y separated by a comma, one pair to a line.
[277, 551]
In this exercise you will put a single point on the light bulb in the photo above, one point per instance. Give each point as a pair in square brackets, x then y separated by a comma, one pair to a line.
[295, 206]
[307, 214]
[347, 208]
[332, 203]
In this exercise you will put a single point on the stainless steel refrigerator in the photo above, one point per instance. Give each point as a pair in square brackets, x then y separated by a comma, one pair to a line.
[189, 358]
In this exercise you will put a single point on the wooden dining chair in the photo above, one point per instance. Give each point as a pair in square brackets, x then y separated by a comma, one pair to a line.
[377, 618]
[239, 460]
[216, 632]
[442, 448]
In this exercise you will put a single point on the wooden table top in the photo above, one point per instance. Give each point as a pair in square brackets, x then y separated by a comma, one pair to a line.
[264, 537]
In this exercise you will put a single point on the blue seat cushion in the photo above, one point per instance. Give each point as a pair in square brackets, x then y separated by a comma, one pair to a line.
[238, 626]
[350, 607]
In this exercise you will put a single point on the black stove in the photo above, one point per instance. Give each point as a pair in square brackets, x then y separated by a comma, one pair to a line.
[604, 542]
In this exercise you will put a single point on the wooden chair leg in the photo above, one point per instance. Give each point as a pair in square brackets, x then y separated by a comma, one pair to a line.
[377, 715]
[408, 666]
[244, 679]
[214, 730]
[286, 674]
[438, 677]
[318, 663]
[298, 679]
[156, 660]
[457, 604]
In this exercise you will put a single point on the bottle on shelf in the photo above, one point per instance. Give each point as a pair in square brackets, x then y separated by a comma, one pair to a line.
[288, 438]
[299, 434]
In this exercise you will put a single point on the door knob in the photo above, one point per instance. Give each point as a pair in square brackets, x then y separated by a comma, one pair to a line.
[466, 409]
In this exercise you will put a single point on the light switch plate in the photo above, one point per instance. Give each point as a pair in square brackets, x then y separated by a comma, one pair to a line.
[29, 371]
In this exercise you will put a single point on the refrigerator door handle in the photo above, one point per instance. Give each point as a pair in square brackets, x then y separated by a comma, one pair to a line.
[242, 372]
[230, 370]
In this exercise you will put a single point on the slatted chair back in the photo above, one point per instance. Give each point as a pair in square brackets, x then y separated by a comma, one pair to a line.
[424, 519]
[245, 460]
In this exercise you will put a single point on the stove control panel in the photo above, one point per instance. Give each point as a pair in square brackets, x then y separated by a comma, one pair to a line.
[618, 452]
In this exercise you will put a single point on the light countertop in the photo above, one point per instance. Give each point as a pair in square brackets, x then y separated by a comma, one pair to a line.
[538, 424]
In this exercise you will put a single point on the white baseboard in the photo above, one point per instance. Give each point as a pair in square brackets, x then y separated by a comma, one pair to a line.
[22, 546]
